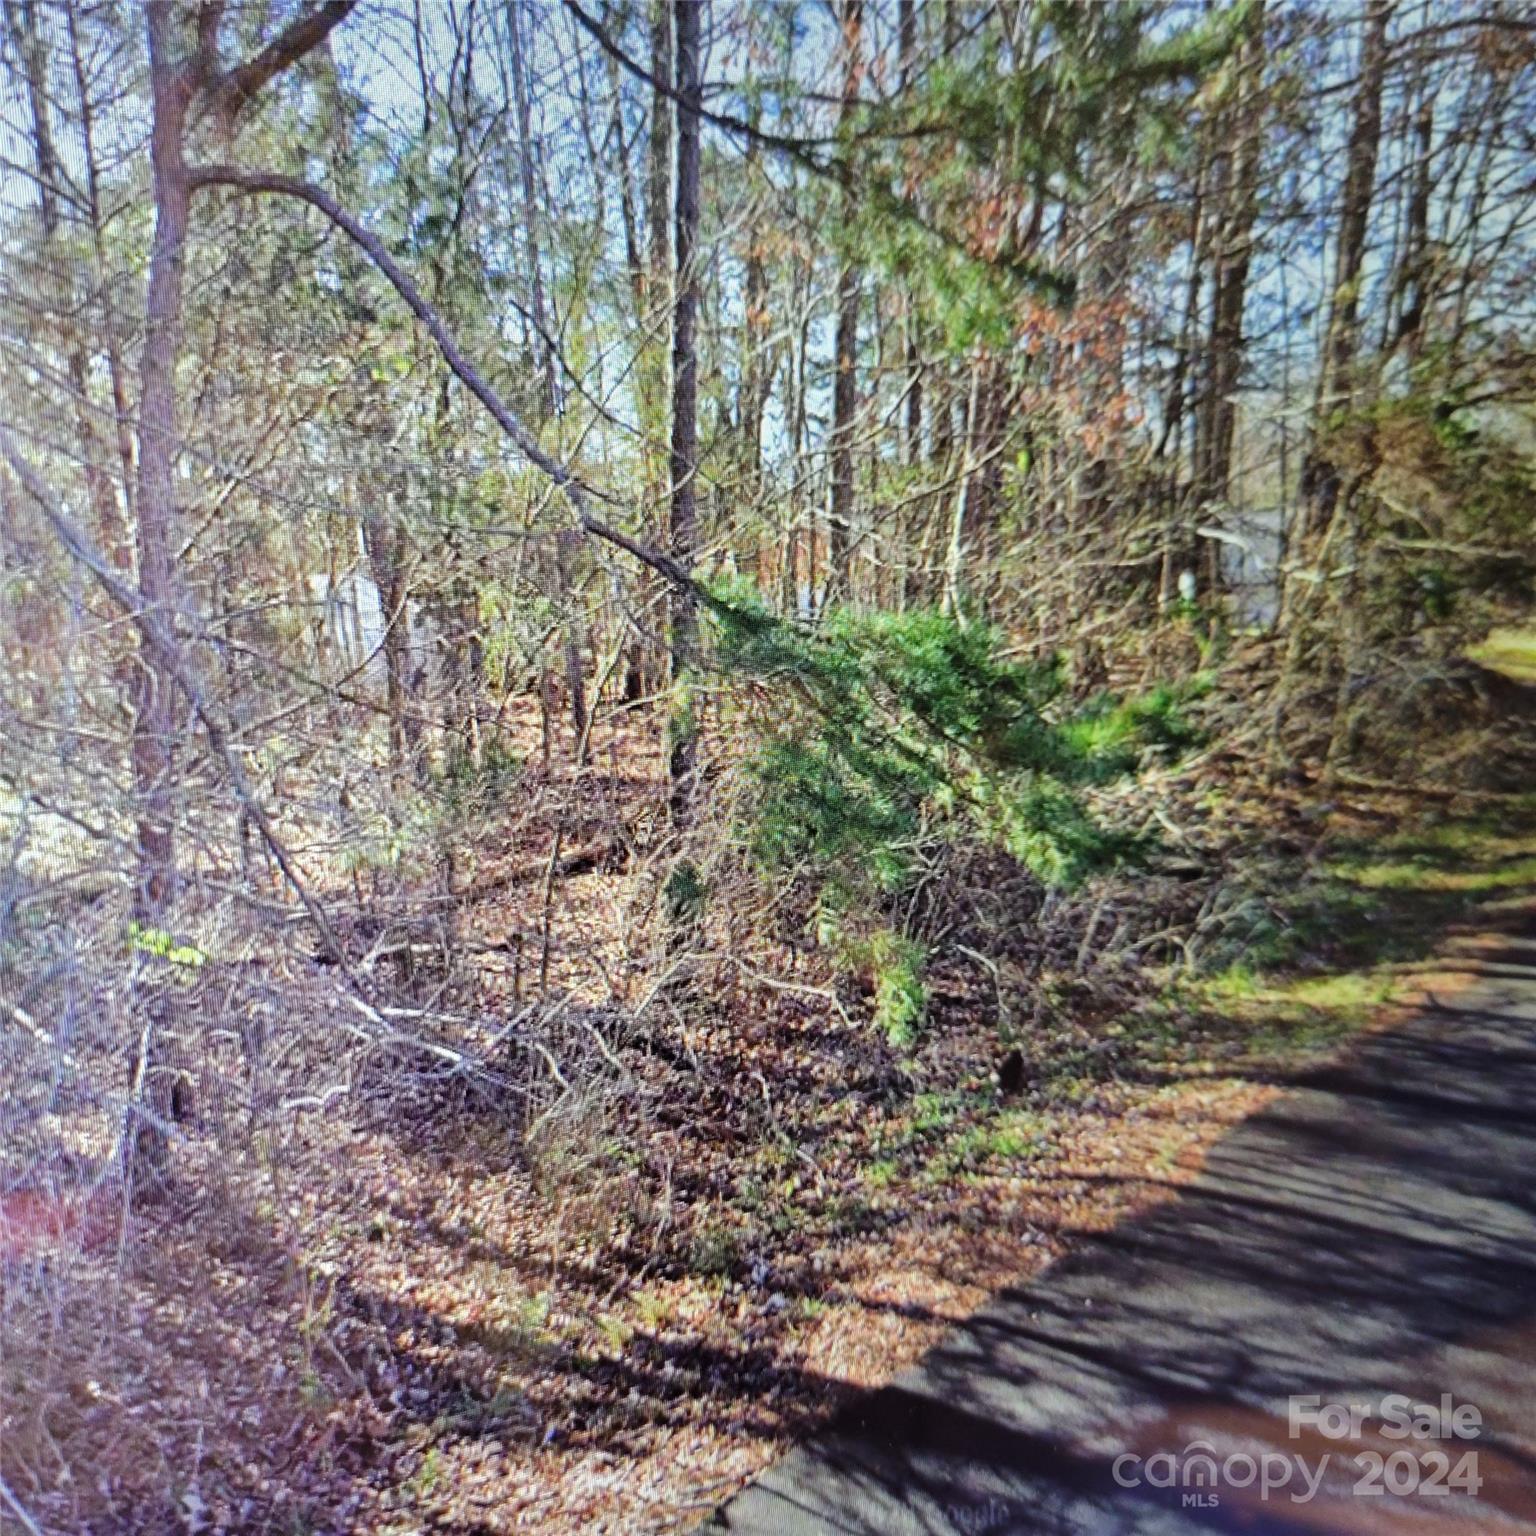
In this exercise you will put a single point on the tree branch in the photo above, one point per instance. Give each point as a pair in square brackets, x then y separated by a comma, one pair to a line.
[797, 149]
[152, 625]
[1033, 274]
[229, 92]
[576, 491]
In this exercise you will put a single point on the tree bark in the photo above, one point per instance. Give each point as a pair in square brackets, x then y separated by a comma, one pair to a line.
[177, 81]
[153, 695]
[525, 156]
[683, 755]
[659, 169]
[754, 363]
[1335, 386]
[644, 666]
[1231, 259]
[845, 396]
[1415, 270]
[384, 544]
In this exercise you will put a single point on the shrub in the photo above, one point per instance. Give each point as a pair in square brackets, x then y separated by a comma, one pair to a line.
[882, 737]
[901, 999]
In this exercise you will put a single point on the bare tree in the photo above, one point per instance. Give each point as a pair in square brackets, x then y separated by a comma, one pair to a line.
[185, 82]
[683, 756]
[845, 386]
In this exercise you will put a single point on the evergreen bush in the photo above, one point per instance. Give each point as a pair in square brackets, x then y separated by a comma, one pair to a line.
[882, 737]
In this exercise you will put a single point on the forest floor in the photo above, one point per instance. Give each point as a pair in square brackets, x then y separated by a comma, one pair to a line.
[410, 1312]
[1367, 1239]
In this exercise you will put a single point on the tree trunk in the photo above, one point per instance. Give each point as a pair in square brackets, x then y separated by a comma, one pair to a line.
[153, 691]
[906, 33]
[1231, 259]
[644, 664]
[525, 156]
[1414, 270]
[176, 77]
[385, 548]
[659, 170]
[683, 754]
[954, 559]
[574, 639]
[845, 397]
[754, 363]
[1335, 385]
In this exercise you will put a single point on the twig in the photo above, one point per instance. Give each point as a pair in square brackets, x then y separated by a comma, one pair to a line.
[826, 993]
[158, 636]
[19, 1510]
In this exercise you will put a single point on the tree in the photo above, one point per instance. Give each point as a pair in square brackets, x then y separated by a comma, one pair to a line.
[682, 763]
[185, 83]
[845, 388]
[1336, 383]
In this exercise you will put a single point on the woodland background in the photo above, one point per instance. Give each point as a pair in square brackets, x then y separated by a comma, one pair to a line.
[574, 573]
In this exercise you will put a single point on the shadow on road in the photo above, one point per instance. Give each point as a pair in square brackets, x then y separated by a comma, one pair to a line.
[1372, 1234]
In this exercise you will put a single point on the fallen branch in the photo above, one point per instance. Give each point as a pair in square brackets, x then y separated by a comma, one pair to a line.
[18, 1509]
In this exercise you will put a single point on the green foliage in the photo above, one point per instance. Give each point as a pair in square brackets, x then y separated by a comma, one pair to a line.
[1086, 83]
[1046, 828]
[889, 729]
[685, 893]
[888, 736]
[713, 1250]
[901, 999]
[894, 966]
[470, 786]
[156, 941]
[1112, 734]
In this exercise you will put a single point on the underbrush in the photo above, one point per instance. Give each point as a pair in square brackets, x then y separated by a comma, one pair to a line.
[640, 1158]
[890, 755]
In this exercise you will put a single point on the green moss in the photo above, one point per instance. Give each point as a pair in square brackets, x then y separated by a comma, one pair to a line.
[1302, 971]
[1001, 1138]
[1467, 856]
[1236, 983]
